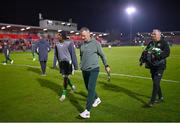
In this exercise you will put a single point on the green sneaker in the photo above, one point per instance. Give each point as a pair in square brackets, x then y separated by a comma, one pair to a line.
[63, 96]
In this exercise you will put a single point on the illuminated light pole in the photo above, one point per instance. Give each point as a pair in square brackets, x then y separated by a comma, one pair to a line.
[130, 11]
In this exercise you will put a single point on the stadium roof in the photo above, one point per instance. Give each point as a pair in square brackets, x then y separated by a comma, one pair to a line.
[24, 28]
[34, 29]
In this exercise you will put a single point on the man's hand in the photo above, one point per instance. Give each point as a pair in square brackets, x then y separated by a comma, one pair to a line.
[108, 69]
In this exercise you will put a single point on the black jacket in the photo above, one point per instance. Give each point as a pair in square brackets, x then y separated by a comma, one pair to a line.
[164, 46]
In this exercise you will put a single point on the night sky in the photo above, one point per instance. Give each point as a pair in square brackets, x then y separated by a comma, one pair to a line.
[98, 15]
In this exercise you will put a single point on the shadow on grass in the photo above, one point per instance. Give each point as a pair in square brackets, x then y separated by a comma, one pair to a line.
[82, 93]
[74, 101]
[58, 89]
[35, 70]
[115, 88]
[54, 68]
[51, 85]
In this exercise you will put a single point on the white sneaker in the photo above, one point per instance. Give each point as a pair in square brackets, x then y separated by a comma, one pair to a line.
[62, 98]
[96, 102]
[85, 114]
[12, 61]
[4, 63]
[74, 88]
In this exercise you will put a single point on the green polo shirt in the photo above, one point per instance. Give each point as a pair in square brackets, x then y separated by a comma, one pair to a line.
[89, 54]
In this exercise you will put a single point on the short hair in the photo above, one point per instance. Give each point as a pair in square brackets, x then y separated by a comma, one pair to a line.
[43, 35]
[63, 34]
[84, 29]
[157, 30]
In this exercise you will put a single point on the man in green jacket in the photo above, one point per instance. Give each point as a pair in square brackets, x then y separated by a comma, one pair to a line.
[89, 54]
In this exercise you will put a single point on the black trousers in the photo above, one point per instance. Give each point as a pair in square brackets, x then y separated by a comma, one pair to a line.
[156, 76]
[43, 66]
[65, 68]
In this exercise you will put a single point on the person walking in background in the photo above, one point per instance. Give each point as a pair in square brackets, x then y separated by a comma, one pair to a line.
[6, 51]
[55, 62]
[42, 49]
[33, 50]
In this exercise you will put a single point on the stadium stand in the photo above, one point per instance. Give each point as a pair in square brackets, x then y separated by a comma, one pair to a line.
[21, 37]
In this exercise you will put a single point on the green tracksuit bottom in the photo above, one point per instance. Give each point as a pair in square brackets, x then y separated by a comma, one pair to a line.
[90, 78]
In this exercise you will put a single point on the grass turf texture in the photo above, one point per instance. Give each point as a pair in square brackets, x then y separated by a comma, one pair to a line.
[27, 96]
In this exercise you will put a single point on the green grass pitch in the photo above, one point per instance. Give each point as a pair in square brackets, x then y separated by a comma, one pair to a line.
[27, 96]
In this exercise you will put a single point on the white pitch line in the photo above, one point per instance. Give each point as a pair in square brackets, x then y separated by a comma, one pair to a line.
[24, 65]
[103, 73]
[140, 77]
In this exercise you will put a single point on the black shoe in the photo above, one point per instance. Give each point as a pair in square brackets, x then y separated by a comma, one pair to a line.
[160, 100]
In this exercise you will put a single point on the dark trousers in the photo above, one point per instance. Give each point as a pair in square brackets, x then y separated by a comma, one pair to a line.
[43, 66]
[90, 78]
[156, 76]
[54, 62]
[7, 58]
